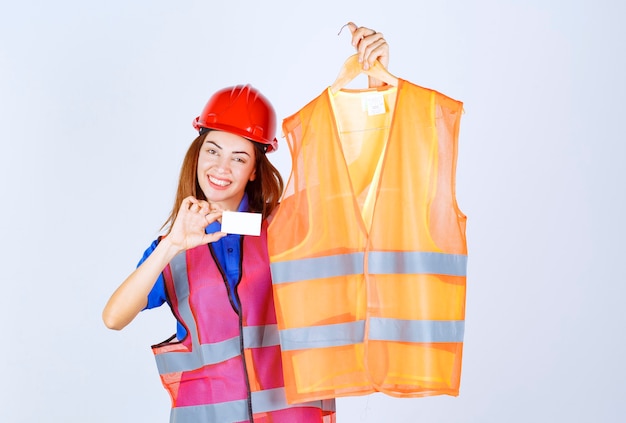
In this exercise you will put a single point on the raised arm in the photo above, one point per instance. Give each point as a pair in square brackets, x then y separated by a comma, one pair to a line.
[188, 231]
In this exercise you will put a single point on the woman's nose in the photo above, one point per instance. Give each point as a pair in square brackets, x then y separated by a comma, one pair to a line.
[223, 165]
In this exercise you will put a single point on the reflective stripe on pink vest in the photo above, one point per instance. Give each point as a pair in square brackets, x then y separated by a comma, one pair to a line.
[228, 368]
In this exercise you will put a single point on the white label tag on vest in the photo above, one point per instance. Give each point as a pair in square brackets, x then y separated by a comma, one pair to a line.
[241, 223]
[374, 104]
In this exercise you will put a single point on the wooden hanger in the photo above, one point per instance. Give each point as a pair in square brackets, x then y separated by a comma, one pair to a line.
[352, 68]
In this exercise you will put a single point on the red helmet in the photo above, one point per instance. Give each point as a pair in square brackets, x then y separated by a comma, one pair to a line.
[241, 110]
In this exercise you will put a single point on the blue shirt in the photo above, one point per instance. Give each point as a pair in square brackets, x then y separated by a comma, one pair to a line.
[228, 253]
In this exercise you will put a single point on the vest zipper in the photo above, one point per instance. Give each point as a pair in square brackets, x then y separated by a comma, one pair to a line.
[245, 370]
[240, 314]
[241, 344]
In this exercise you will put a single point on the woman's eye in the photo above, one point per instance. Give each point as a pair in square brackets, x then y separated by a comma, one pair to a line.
[212, 151]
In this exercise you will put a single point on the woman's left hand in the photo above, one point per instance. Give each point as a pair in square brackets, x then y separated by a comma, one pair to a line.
[370, 46]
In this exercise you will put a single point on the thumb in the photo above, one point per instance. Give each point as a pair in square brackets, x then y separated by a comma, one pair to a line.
[212, 237]
[352, 27]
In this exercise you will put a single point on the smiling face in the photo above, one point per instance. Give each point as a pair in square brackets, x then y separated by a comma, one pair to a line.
[226, 163]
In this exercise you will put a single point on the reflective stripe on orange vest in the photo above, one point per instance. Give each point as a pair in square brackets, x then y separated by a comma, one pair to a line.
[228, 368]
[425, 331]
[367, 249]
[379, 262]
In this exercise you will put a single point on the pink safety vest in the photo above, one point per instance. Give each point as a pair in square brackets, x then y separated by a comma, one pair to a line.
[228, 368]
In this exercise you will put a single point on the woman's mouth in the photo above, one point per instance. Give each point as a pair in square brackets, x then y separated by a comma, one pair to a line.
[219, 182]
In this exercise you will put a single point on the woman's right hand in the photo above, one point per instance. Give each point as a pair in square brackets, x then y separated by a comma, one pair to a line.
[188, 230]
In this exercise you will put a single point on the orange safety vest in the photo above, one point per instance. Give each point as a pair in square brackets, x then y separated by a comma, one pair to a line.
[367, 249]
[228, 367]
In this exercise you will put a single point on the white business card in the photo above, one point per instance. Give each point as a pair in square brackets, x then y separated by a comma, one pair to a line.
[241, 223]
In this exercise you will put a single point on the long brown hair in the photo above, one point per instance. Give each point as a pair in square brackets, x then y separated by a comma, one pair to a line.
[263, 193]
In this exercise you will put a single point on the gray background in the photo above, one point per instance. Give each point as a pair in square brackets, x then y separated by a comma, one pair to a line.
[96, 104]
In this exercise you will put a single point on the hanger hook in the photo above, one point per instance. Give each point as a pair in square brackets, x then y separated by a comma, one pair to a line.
[341, 29]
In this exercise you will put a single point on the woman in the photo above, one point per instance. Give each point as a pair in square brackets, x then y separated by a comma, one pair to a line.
[223, 364]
